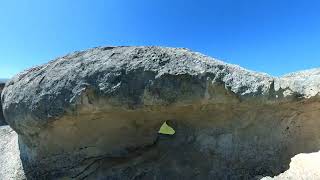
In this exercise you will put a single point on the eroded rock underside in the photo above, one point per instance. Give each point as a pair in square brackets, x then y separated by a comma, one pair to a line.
[95, 114]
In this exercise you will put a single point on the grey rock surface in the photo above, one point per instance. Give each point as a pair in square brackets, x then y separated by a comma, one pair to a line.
[95, 114]
[10, 162]
[2, 121]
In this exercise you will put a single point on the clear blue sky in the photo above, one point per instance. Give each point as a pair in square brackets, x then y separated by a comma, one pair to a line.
[273, 36]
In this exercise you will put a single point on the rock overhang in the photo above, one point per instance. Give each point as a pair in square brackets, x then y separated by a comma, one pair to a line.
[120, 96]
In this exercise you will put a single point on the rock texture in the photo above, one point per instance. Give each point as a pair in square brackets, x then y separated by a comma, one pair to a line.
[95, 114]
[302, 166]
[2, 121]
[10, 163]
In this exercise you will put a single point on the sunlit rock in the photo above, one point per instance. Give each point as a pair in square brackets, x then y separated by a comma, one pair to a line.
[96, 114]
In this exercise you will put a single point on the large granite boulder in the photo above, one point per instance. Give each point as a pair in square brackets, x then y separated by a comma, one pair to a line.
[95, 114]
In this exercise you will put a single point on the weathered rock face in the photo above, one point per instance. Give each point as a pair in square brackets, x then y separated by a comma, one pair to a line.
[2, 121]
[10, 163]
[95, 114]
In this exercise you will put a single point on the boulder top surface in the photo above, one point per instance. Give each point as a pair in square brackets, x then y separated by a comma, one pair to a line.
[125, 73]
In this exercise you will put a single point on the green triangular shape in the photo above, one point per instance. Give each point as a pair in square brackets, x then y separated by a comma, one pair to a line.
[166, 129]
